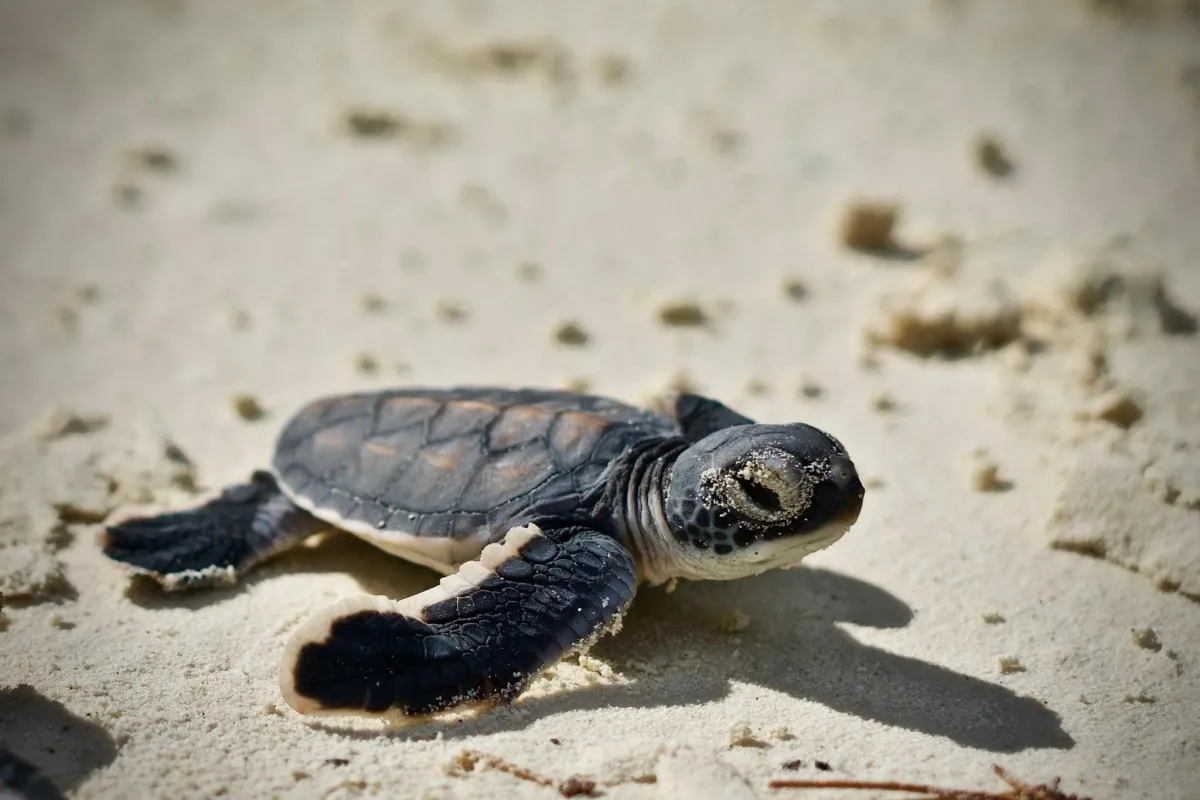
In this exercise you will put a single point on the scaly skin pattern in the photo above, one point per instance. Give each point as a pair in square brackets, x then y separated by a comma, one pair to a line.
[211, 545]
[554, 592]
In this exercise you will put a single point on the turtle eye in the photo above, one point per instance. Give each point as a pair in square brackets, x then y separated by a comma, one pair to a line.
[760, 495]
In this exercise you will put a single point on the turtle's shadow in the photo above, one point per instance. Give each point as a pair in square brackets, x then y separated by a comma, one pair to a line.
[801, 650]
[802, 653]
[798, 649]
[65, 747]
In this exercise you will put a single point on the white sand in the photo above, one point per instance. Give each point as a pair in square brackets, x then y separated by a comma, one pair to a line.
[262, 249]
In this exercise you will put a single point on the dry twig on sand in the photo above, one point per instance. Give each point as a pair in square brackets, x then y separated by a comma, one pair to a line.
[571, 787]
[1017, 790]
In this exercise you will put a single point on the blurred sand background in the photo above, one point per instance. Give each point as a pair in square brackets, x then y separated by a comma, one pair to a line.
[212, 212]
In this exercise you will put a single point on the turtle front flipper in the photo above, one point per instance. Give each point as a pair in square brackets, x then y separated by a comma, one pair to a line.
[213, 543]
[480, 636]
[698, 416]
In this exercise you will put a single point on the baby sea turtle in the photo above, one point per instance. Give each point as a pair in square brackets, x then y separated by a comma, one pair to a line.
[544, 509]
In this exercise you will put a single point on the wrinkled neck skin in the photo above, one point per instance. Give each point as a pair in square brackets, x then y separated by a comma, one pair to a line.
[636, 496]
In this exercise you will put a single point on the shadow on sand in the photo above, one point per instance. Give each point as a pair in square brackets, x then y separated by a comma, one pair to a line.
[48, 737]
[798, 649]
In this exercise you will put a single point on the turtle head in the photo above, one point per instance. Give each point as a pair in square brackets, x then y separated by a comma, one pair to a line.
[750, 498]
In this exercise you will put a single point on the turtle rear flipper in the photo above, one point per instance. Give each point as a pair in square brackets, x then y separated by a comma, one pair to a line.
[480, 636]
[213, 543]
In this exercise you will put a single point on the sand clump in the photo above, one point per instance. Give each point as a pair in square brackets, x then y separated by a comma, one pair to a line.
[53, 484]
[869, 225]
[941, 318]
[1128, 475]
[992, 305]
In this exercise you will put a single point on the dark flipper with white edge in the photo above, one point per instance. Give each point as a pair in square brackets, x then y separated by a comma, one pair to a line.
[216, 542]
[479, 637]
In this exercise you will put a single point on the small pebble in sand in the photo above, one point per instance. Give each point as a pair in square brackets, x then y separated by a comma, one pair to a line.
[719, 135]
[993, 618]
[371, 124]
[810, 389]
[985, 475]
[795, 289]
[127, 195]
[614, 70]
[882, 401]
[247, 407]
[529, 271]
[792, 765]
[1117, 407]
[869, 225]
[451, 312]
[682, 314]
[67, 319]
[868, 361]
[991, 156]
[756, 387]
[373, 303]
[740, 735]
[1010, 664]
[61, 422]
[780, 733]
[158, 159]
[570, 334]
[579, 385]
[733, 622]
[1146, 638]
[483, 201]
[366, 364]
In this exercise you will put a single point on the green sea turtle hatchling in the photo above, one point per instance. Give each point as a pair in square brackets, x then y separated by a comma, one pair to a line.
[543, 509]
